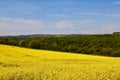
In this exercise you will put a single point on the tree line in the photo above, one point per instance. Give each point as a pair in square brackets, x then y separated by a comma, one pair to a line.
[105, 45]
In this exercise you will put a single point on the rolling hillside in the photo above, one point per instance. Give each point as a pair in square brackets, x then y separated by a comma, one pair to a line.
[28, 64]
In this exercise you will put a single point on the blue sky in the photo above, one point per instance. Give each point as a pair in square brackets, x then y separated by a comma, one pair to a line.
[59, 16]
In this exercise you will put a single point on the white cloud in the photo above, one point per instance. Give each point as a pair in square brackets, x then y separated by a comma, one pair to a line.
[20, 26]
[19, 8]
[87, 26]
[78, 13]
[86, 21]
[96, 13]
[110, 28]
[116, 2]
[116, 15]
[70, 24]
[102, 29]
[57, 15]
[63, 24]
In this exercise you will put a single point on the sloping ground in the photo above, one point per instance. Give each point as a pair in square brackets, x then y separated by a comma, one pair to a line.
[27, 64]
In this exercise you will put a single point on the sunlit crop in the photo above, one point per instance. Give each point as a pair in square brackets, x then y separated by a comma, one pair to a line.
[28, 64]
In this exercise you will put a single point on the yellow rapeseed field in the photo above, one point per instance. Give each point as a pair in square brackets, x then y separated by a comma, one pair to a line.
[27, 64]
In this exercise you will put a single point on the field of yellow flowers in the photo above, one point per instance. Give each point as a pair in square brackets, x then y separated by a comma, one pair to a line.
[27, 64]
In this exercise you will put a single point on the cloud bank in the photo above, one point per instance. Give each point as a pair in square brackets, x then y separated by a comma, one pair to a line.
[20, 26]
[117, 2]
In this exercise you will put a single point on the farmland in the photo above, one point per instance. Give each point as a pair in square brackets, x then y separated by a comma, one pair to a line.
[29, 64]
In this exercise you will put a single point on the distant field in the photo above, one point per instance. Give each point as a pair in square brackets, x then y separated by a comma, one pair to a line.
[27, 64]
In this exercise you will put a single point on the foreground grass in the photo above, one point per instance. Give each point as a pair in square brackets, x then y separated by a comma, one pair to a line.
[28, 64]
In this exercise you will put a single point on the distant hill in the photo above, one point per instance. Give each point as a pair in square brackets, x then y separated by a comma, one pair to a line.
[50, 35]
[44, 35]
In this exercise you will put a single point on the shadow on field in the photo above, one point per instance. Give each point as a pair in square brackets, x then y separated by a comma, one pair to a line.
[8, 65]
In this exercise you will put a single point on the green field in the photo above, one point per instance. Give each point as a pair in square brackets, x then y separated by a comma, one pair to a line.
[27, 64]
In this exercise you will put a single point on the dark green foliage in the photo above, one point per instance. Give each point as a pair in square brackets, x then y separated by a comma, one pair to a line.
[106, 45]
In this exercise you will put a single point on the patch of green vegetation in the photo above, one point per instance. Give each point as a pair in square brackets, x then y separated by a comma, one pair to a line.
[105, 45]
